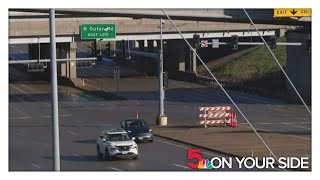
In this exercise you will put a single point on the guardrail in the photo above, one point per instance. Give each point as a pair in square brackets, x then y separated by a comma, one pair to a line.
[48, 60]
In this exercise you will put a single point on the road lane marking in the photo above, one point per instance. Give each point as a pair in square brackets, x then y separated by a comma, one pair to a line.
[299, 126]
[23, 117]
[63, 115]
[185, 167]
[73, 133]
[29, 88]
[19, 111]
[19, 89]
[260, 129]
[19, 133]
[300, 118]
[77, 155]
[285, 123]
[37, 166]
[115, 169]
[305, 122]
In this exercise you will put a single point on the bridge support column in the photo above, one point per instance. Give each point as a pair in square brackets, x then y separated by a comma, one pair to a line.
[193, 62]
[299, 66]
[62, 50]
[73, 64]
[175, 55]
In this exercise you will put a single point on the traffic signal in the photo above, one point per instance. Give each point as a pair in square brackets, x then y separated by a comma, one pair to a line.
[165, 80]
[196, 41]
[234, 42]
[123, 48]
[273, 42]
[108, 48]
[94, 48]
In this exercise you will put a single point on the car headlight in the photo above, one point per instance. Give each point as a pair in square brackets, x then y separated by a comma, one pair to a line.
[135, 146]
[150, 130]
[129, 131]
[113, 149]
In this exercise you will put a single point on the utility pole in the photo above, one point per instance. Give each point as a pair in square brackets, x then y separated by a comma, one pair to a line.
[161, 119]
[54, 91]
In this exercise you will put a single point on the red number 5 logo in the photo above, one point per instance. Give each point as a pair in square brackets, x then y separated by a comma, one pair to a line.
[194, 154]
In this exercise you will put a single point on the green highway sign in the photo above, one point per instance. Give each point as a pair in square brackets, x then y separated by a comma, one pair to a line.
[98, 31]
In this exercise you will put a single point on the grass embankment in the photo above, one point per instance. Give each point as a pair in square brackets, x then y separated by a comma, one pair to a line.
[257, 69]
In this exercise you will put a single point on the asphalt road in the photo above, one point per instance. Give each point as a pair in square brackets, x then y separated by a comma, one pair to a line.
[83, 116]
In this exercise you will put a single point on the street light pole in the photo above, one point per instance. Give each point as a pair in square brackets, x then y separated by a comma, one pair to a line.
[162, 119]
[161, 108]
[55, 110]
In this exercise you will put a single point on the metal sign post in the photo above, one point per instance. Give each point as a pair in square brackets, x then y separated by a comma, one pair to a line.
[55, 110]
[116, 76]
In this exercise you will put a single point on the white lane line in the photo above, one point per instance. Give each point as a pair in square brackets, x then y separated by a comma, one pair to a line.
[19, 133]
[63, 115]
[299, 126]
[301, 118]
[77, 155]
[29, 88]
[73, 133]
[296, 123]
[260, 129]
[37, 166]
[285, 123]
[23, 117]
[19, 111]
[115, 169]
[266, 123]
[178, 165]
[19, 89]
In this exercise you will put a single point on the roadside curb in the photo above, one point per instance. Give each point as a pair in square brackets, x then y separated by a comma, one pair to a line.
[216, 151]
[198, 146]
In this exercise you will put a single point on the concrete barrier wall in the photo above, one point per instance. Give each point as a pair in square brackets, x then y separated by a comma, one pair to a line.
[299, 67]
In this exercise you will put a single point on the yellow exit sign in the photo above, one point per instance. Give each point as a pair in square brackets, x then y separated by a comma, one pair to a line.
[304, 12]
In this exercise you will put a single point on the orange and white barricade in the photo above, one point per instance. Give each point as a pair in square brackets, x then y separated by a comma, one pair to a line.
[218, 115]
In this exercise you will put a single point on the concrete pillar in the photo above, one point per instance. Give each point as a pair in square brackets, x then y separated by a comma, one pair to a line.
[73, 64]
[62, 51]
[194, 62]
[299, 66]
[176, 55]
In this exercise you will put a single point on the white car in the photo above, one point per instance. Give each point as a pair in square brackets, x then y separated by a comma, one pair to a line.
[115, 143]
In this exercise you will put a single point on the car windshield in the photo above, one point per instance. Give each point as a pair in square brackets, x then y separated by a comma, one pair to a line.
[135, 123]
[118, 137]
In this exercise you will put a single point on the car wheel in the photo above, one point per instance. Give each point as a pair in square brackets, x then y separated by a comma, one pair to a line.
[99, 154]
[106, 155]
[151, 140]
